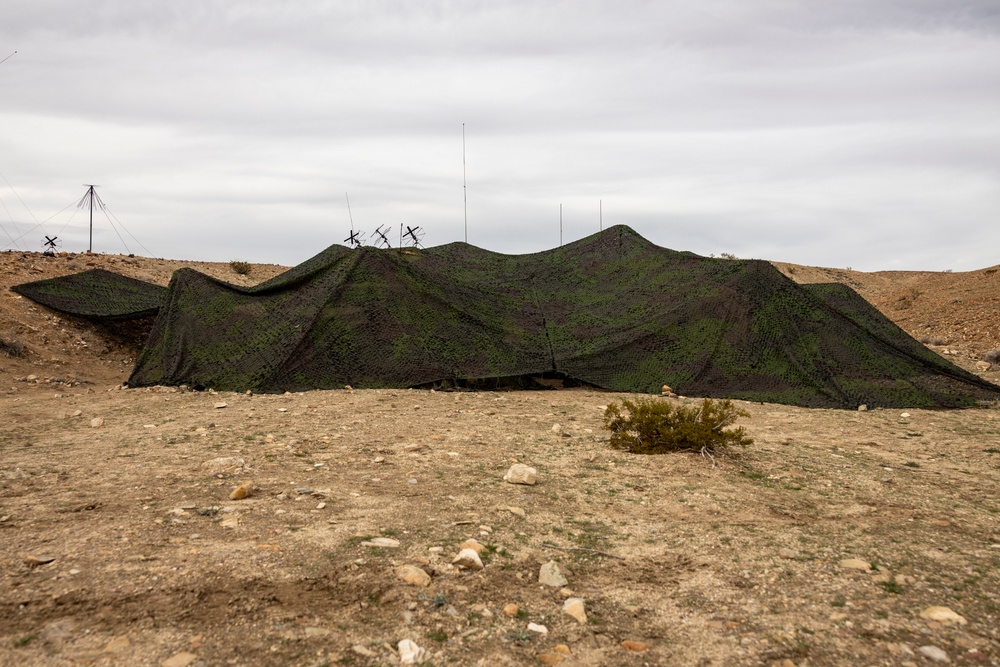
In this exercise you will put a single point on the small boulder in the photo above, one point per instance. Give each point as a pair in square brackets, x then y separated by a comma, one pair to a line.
[242, 491]
[855, 564]
[551, 575]
[413, 575]
[575, 607]
[410, 653]
[943, 615]
[521, 474]
[468, 559]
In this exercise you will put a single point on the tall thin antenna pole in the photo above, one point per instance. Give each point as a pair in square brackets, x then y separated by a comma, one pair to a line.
[465, 187]
[400, 235]
[90, 194]
[349, 211]
[560, 225]
[600, 212]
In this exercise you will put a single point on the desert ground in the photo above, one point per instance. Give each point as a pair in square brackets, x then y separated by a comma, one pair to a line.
[837, 538]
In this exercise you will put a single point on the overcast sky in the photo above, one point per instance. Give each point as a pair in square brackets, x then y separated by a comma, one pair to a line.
[845, 133]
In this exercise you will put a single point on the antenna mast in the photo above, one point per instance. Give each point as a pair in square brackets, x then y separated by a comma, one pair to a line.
[560, 225]
[600, 212]
[465, 188]
[90, 195]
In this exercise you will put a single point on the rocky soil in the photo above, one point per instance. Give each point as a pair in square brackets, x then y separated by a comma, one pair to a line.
[164, 527]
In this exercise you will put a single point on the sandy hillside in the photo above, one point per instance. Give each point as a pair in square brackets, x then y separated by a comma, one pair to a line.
[838, 538]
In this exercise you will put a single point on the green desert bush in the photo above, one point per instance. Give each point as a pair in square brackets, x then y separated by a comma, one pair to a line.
[657, 426]
[241, 268]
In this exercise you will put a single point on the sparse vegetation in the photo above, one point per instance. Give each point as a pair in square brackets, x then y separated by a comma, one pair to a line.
[11, 348]
[656, 426]
[993, 356]
[241, 268]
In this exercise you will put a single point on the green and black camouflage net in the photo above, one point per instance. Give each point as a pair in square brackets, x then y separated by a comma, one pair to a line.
[611, 310]
[97, 295]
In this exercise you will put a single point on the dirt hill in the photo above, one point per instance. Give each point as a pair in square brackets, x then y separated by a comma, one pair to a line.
[837, 538]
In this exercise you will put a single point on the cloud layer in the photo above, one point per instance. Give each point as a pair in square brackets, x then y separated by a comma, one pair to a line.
[860, 134]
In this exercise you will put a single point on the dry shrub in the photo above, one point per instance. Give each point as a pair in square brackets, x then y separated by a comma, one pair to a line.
[241, 268]
[11, 348]
[993, 356]
[657, 426]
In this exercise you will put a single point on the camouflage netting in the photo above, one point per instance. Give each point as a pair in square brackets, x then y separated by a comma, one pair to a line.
[611, 310]
[97, 295]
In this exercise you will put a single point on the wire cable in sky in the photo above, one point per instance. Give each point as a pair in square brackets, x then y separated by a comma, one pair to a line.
[107, 211]
[8, 58]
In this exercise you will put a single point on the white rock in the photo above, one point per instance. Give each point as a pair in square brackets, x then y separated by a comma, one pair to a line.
[575, 607]
[383, 542]
[468, 559]
[934, 653]
[97, 422]
[551, 575]
[220, 405]
[540, 629]
[410, 653]
[521, 474]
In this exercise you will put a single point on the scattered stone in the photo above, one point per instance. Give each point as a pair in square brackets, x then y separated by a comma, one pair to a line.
[242, 491]
[790, 554]
[364, 651]
[77, 413]
[521, 474]
[379, 459]
[473, 544]
[230, 522]
[557, 428]
[517, 511]
[97, 422]
[468, 559]
[540, 629]
[182, 659]
[510, 609]
[942, 614]
[304, 491]
[410, 653]
[934, 653]
[551, 658]
[551, 575]
[415, 447]
[575, 607]
[383, 542]
[37, 561]
[413, 575]
[321, 506]
[635, 646]
[855, 564]
[905, 415]
[220, 405]
[983, 365]
[862, 408]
